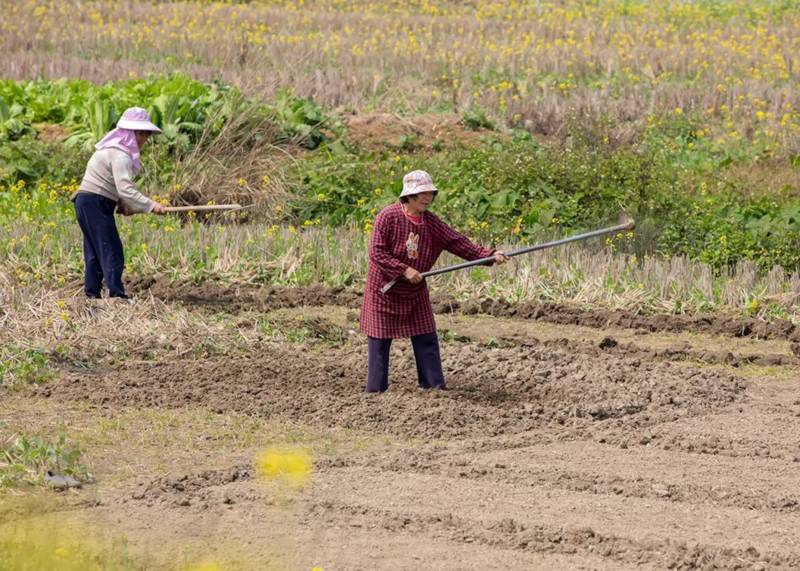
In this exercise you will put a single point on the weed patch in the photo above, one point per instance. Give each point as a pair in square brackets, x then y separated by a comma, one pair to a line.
[20, 367]
[27, 459]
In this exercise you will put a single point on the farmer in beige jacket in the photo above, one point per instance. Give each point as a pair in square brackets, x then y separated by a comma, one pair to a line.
[108, 186]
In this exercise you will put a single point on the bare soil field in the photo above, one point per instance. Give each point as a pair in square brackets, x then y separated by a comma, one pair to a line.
[568, 439]
[379, 131]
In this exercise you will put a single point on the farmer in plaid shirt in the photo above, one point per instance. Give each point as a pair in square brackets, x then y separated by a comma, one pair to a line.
[407, 240]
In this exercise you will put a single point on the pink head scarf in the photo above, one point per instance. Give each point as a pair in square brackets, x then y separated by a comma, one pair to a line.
[124, 136]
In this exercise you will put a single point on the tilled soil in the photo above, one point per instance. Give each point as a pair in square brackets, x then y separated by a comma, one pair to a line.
[239, 297]
[564, 453]
[493, 391]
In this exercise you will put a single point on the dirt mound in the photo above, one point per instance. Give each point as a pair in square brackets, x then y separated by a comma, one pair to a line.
[382, 131]
[632, 350]
[493, 390]
[51, 132]
[600, 318]
[238, 297]
[193, 489]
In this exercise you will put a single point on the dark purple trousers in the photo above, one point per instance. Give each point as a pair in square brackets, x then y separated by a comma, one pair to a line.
[426, 355]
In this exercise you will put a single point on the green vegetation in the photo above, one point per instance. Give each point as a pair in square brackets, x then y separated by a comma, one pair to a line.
[48, 128]
[691, 195]
[301, 121]
[27, 459]
[687, 192]
[179, 105]
[20, 367]
[517, 189]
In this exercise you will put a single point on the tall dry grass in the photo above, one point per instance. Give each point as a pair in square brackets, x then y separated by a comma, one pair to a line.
[589, 275]
[239, 163]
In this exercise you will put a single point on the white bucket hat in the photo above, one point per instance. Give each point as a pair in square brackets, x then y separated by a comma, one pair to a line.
[417, 182]
[137, 119]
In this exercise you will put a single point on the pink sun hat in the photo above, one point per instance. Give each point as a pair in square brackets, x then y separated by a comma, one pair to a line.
[417, 182]
[137, 119]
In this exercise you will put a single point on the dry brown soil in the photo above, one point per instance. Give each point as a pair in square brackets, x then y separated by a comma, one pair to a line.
[568, 439]
[390, 131]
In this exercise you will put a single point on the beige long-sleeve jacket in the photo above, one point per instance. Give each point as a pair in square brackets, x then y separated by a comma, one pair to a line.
[109, 173]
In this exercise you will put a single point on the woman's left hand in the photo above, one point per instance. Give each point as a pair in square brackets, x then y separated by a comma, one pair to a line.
[500, 258]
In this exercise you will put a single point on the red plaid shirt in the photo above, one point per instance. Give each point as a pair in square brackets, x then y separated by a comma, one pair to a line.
[397, 243]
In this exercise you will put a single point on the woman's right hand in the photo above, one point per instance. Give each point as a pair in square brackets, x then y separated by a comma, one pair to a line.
[413, 275]
[123, 210]
[158, 208]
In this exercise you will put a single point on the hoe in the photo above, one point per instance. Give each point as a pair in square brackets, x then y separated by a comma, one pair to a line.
[626, 224]
[207, 207]
[199, 208]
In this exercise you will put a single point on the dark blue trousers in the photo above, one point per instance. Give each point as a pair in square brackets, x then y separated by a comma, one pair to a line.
[426, 355]
[102, 248]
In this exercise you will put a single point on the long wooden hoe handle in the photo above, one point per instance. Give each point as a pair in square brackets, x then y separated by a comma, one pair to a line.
[626, 226]
[205, 207]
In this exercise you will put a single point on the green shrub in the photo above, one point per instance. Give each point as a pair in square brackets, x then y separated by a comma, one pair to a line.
[301, 120]
[517, 189]
[475, 118]
[676, 180]
[178, 104]
[516, 185]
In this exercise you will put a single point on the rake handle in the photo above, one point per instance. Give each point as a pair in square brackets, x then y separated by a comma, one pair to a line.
[627, 226]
